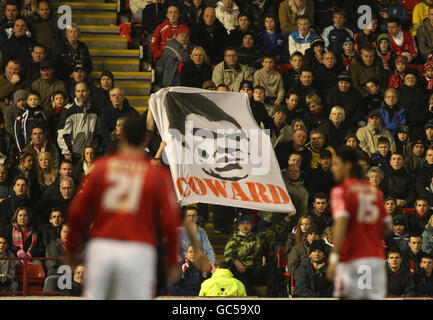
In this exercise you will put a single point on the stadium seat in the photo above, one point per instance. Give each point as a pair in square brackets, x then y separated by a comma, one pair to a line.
[281, 265]
[282, 67]
[409, 5]
[35, 277]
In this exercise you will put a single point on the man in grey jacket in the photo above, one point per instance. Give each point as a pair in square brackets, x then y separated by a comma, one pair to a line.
[7, 268]
[424, 35]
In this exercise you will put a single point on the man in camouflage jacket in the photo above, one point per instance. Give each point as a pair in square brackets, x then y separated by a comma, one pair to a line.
[244, 254]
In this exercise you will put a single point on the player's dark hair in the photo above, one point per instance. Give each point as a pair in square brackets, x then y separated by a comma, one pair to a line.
[135, 130]
[350, 155]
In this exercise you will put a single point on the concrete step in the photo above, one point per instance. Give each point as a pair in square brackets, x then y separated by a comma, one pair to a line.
[114, 53]
[105, 42]
[137, 100]
[126, 76]
[91, 31]
[117, 64]
[99, 19]
[135, 89]
[141, 109]
[87, 6]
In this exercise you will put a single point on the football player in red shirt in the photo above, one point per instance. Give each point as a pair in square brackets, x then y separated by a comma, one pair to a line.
[357, 260]
[119, 206]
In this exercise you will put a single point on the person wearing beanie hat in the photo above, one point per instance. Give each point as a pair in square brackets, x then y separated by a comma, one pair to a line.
[348, 52]
[14, 109]
[249, 53]
[396, 79]
[385, 53]
[310, 278]
[351, 140]
[101, 98]
[243, 253]
[313, 56]
[428, 75]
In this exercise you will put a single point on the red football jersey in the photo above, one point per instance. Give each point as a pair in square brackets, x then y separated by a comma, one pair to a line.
[363, 205]
[126, 198]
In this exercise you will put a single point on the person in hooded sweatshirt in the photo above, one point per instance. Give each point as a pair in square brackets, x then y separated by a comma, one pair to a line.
[227, 12]
[391, 112]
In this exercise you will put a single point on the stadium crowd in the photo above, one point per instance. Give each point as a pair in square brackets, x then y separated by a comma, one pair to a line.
[314, 78]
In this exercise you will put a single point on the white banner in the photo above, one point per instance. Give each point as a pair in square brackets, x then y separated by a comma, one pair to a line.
[216, 151]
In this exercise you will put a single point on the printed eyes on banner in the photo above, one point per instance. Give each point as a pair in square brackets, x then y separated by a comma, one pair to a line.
[209, 134]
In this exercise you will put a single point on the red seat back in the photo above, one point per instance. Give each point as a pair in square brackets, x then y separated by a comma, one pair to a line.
[409, 5]
[282, 67]
[281, 259]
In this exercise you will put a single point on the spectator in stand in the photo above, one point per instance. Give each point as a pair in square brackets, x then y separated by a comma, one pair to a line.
[320, 179]
[258, 109]
[153, 15]
[32, 67]
[227, 12]
[427, 237]
[7, 144]
[244, 255]
[317, 114]
[382, 157]
[191, 214]
[299, 232]
[55, 249]
[46, 172]
[345, 95]
[388, 10]
[222, 283]
[230, 72]
[195, 72]
[11, 81]
[28, 9]
[320, 213]
[419, 14]
[367, 37]
[79, 125]
[86, 163]
[24, 238]
[398, 183]
[281, 135]
[243, 28]
[314, 55]
[298, 144]
[369, 135]
[137, 7]
[290, 10]
[249, 53]
[316, 145]
[191, 279]
[413, 256]
[375, 177]
[424, 36]
[63, 199]
[352, 141]
[415, 157]
[304, 86]
[211, 35]
[5, 183]
[292, 107]
[418, 219]
[300, 39]
[326, 74]
[292, 75]
[77, 282]
[335, 130]
[428, 75]
[79, 75]
[192, 12]
[272, 41]
[177, 51]
[271, 80]
[46, 84]
[19, 45]
[31, 117]
[101, 98]
[258, 10]
[25, 167]
[58, 102]
[51, 231]
[295, 187]
[424, 277]
[323, 10]
[71, 53]
[385, 52]
[7, 267]
[44, 28]
[401, 64]
[310, 277]
[337, 34]
[348, 53]
[374, 98]
[39, 143]
[400, 281]
[391, 208]
[365, 67]
[391, 112]
[400, 234]
[424, 174]
[402, 42]
[7, 21]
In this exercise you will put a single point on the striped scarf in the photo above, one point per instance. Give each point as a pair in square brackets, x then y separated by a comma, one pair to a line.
[18, 241]
[429, 83]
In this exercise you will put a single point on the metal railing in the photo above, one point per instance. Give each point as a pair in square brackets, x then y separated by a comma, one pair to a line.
[25, 281]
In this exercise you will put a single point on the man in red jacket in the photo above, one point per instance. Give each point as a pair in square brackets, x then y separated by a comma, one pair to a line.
[165, 31]
[402, 42]
[119, 206]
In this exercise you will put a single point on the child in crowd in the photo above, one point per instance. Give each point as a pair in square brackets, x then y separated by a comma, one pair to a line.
[385, 53]
[272, 41]
[428, 74]
[314, 55]
[374, 98]
[271, 80]
[292, 75]
[418, 219]
[400, 234]
[236, 36]
[337, 34]
[348, 53]
[396, 79]
[259, 94]
[367, 37]
[317, 114]
[392, 114]
[58, 102]
[402, 138]
[383, 154]
[33, 115]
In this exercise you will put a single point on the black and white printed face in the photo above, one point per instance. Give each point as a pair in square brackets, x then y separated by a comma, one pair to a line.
[221, 152]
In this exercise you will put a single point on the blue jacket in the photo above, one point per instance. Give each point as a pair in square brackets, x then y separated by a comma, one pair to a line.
[190, 283]
[275, 44]
[389, 122]
[381, 162]
[204, 241]
[394, 10]
[335, 38]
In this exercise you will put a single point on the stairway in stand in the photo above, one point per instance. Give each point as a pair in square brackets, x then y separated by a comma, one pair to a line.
[97, 22]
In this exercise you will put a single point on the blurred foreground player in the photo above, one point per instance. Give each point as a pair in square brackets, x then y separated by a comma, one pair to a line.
[356, 262]
[124, 200]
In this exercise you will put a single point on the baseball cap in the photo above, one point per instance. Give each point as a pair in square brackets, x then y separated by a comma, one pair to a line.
[317, 245]
[20, 95]
[314, 228]
[374, 113]
[244, 218]
[281, 108]
[246, 84]
[429, 124]
[46, 64]
[402, 129]
[398, 220]
[325, 154]
[78, 66]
